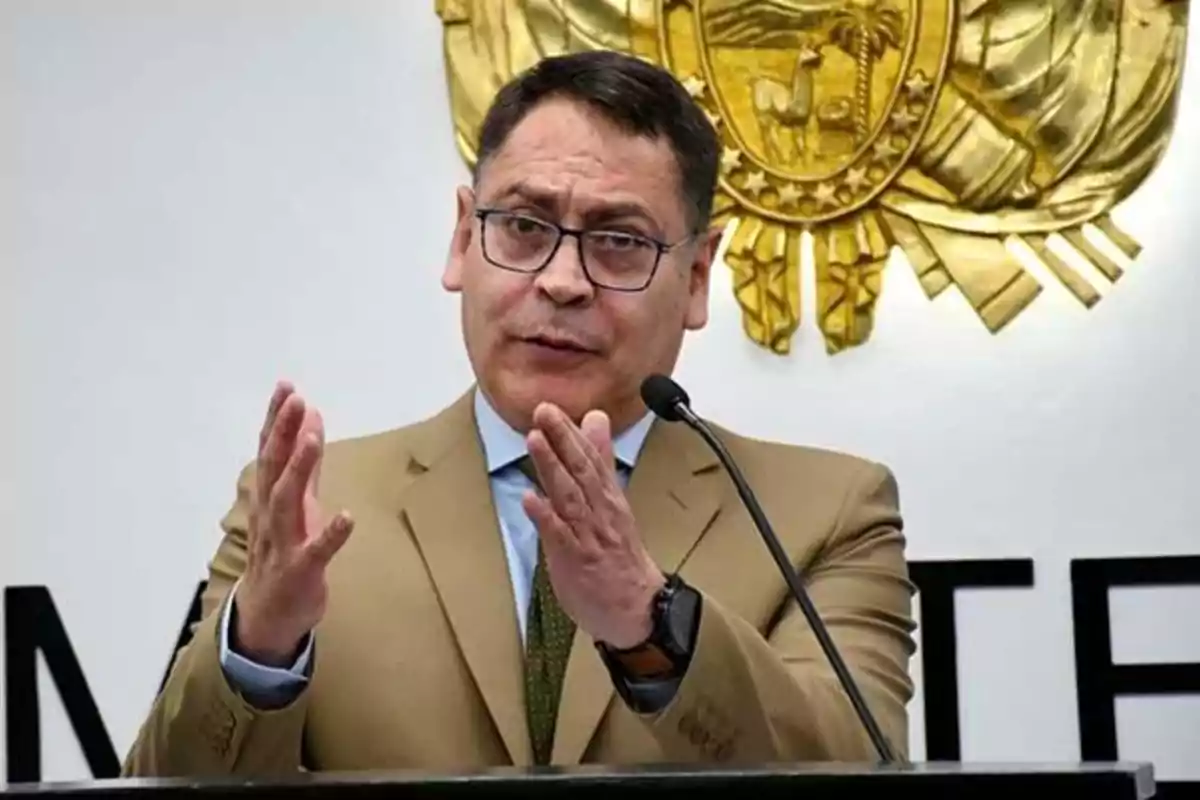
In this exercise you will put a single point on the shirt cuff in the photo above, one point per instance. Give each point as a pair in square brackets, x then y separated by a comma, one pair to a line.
[262, 686]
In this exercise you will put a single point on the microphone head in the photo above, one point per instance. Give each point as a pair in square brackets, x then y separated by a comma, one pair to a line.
[663, 396]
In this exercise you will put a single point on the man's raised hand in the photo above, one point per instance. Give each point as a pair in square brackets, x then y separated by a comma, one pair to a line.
[282, 595]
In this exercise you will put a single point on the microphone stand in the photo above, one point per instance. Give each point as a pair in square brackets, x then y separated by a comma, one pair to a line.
[880, 742]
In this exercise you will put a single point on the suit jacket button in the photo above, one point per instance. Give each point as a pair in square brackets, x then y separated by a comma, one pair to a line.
[220, 723]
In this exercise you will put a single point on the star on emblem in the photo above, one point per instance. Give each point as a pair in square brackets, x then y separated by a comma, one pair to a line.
[755, 183]
[790, 194]
[856, 179]
[884, 149]
[731, 159]
[694, 86]
[826, 195]
[918, 86]
[903, 119]
[713, 119]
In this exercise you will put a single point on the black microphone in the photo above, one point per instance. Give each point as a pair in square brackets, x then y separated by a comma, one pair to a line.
[670, 402]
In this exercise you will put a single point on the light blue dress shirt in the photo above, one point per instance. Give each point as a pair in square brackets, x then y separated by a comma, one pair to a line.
[503, 446]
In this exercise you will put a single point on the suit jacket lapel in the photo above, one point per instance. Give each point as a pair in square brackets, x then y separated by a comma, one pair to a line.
[675, 496]
[449, 509]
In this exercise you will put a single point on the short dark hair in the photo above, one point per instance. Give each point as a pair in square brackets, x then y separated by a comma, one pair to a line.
[637, 96]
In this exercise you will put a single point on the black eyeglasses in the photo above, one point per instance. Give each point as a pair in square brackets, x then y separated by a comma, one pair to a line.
[621, 262]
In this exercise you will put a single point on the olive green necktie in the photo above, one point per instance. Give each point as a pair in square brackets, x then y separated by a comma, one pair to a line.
[548, 636]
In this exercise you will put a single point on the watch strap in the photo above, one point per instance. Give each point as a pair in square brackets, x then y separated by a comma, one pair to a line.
[646, 661]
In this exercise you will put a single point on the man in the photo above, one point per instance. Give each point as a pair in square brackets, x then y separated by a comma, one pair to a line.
[541, 573]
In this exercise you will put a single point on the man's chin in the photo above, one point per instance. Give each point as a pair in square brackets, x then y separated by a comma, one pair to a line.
[573, 393]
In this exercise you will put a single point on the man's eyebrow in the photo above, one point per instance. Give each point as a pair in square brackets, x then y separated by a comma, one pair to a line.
[625, 211]
[523, 191]
[620, 208]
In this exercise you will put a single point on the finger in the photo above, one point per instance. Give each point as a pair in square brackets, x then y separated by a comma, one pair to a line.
[609, 503]
[287, 496]
[553, 531]
[256, 543]
[281, 442]
[314, 424]
[569, 443]
[283, 389]
[325, 545]
[598, 431]
[558, 485]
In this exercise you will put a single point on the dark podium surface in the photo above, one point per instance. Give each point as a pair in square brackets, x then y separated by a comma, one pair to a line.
[796, 782]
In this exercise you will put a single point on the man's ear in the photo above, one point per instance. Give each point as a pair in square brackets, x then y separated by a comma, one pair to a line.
[460, 242]
[706, 247]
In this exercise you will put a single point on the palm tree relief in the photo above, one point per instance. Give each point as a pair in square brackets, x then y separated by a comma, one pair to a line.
[865, 29]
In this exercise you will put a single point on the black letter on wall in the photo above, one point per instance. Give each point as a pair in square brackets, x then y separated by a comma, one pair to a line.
[937, 582]
[1098, 680]
[32, 623]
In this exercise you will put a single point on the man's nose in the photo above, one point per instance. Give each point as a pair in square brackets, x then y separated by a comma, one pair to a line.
[564, 280]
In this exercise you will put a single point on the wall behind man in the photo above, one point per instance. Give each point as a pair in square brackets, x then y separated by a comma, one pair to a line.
[200, 196]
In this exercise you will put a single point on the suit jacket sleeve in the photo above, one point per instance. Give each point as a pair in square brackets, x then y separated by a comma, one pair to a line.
[747, 697]
[201, 725]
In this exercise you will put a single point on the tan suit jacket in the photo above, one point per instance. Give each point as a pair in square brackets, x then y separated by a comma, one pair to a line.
[418, 661]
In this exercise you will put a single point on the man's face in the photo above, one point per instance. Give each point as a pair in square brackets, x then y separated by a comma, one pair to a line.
[552, 335]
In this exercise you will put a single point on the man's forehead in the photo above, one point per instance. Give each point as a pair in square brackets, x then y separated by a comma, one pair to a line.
[570, 156]
[589, 179]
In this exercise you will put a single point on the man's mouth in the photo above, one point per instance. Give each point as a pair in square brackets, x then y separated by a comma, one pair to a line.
[560, 344]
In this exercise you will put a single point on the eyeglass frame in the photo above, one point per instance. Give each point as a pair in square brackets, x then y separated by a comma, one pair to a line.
[661, 248]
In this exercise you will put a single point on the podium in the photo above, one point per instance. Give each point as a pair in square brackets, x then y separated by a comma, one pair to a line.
[794, 782]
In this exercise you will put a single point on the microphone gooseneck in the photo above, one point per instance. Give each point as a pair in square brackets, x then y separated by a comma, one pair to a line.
[668, 401]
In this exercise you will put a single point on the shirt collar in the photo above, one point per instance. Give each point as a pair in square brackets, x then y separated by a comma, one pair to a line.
[503, 446]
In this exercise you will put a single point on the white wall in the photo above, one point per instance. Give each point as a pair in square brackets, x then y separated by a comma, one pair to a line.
[199, 196]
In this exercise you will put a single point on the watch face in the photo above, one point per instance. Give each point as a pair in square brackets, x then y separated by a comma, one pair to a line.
[681, 619]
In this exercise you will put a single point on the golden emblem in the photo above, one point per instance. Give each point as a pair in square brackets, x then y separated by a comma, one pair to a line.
[959, 131]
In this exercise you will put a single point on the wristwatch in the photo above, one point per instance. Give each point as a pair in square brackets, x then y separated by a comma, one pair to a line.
[674, 618]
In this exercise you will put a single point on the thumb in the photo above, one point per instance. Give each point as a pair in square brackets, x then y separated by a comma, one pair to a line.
[324, 546]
